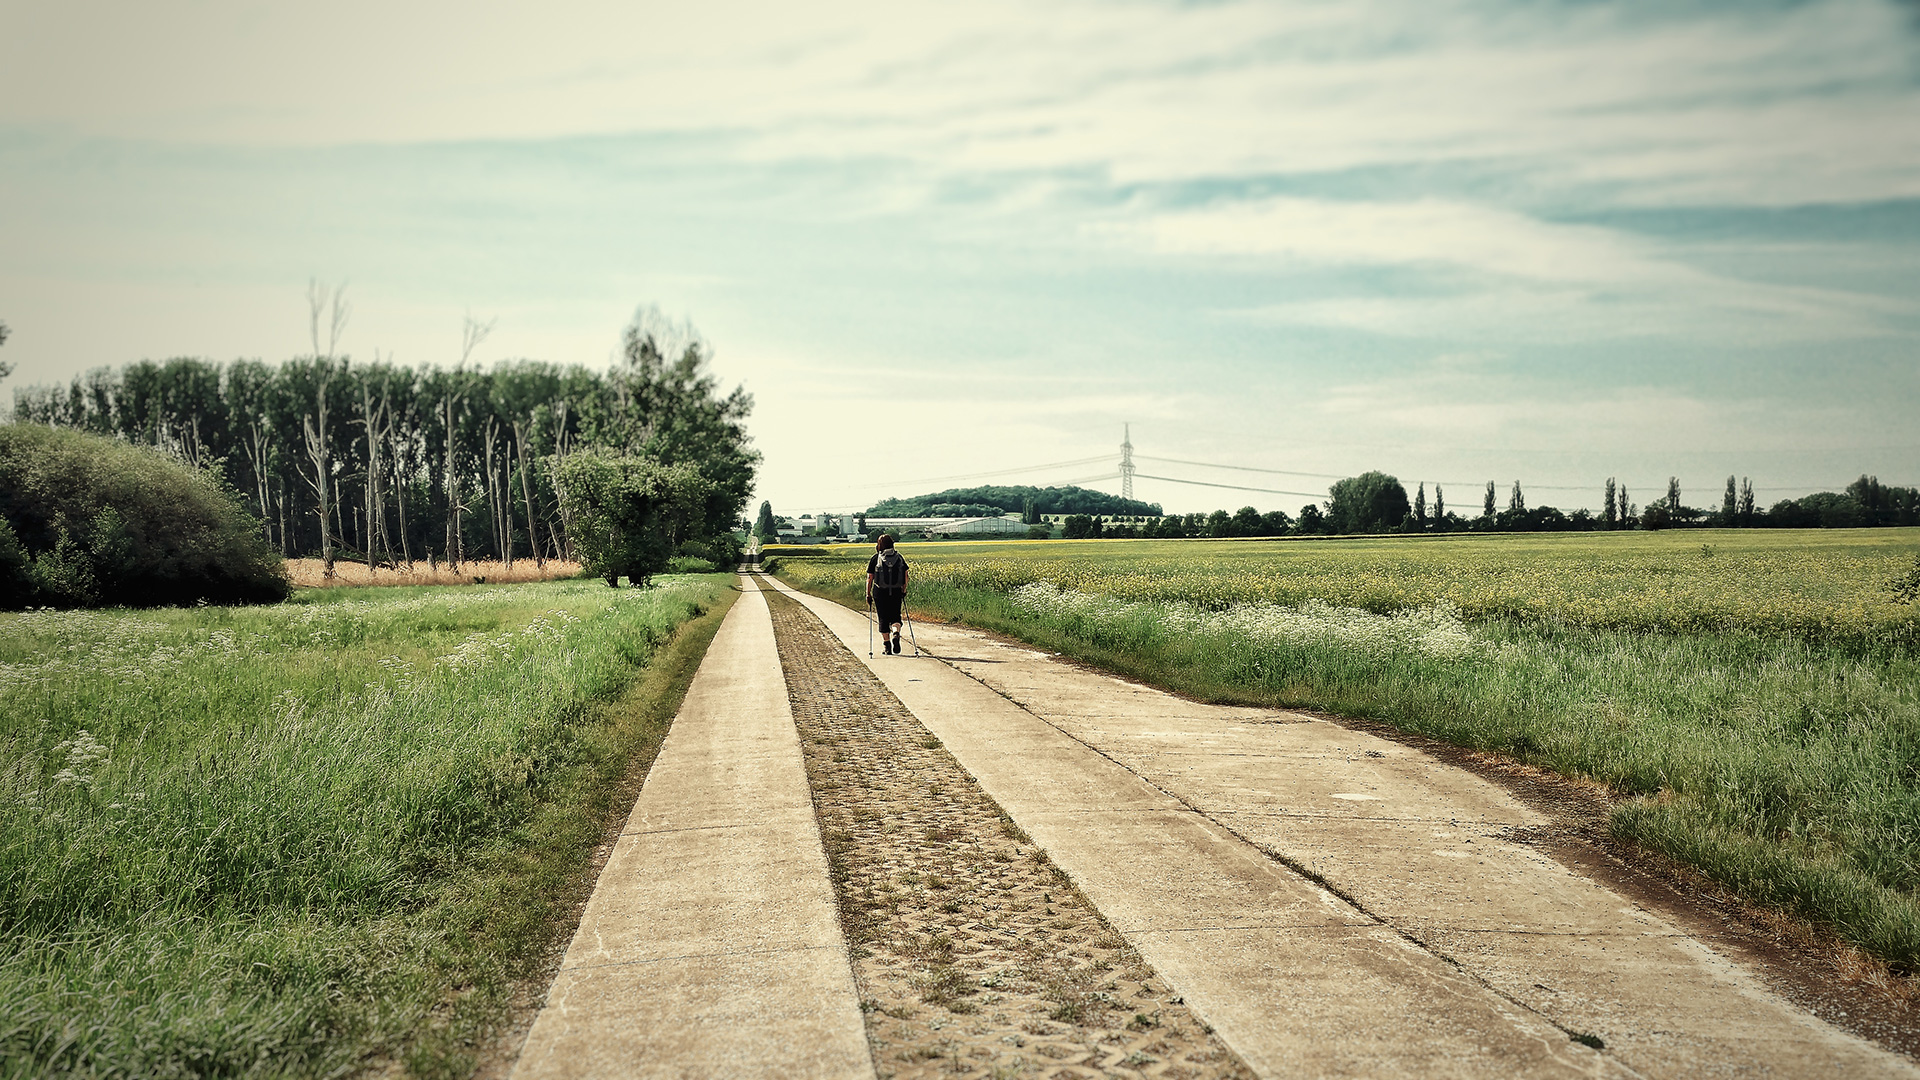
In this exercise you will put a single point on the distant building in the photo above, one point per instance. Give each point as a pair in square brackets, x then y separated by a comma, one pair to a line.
[937, 526]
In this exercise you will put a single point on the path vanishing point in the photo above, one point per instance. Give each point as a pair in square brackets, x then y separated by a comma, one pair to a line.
[997, 864]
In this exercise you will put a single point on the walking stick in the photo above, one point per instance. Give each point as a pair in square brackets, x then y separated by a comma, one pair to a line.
[870, 620]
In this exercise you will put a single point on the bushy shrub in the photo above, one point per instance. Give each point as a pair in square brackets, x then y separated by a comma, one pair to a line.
[86, 521]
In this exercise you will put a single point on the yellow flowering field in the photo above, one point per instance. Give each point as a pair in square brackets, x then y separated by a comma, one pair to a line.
[1830, 585]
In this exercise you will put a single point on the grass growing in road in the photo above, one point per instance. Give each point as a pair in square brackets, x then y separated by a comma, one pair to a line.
[311, 838]
[1766, 724]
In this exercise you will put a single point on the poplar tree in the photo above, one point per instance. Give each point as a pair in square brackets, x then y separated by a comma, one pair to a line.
[1611, 515]
[1420, 506]
[1517, 502]
[1487, 509]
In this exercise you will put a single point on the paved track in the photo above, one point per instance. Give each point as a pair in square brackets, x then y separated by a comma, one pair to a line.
[710, 946]
[1333, 904]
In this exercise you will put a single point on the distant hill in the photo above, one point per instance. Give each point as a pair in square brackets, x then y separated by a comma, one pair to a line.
[992, 500]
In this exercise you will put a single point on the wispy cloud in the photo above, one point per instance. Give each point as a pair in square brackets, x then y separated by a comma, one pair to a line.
[1737, 104]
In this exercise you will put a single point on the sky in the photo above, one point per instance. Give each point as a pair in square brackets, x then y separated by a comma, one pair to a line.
[945, 244]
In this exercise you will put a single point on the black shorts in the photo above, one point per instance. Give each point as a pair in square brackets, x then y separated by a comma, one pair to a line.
[886, 606]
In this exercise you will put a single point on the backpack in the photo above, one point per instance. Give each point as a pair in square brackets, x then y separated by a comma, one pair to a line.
[890, 571]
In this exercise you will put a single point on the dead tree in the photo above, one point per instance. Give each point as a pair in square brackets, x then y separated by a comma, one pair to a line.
[334, 304]
[322, 478]
[526, 490]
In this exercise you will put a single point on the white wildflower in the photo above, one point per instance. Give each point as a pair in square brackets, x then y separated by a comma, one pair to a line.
[1437, 630]
[83, 754]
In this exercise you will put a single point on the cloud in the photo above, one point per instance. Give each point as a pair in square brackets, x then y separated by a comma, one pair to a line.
[1422, 232]
[1495, 273]
[1810, 103]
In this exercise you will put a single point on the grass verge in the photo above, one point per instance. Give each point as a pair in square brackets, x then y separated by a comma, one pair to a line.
[315, 839]
[1787, 770]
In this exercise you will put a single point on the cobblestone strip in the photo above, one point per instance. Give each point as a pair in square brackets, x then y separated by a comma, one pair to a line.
[974, 956]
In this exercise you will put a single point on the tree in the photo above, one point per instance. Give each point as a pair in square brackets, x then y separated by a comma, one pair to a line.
[1626, 509]
[629, 512]
[1054, 500]
[1079, 527]
[1729, 505]
[668, 405]
[767, 529]
[1420, 507]
[1746, 502]
[1439, 506]
[1516, 501]
[1487, 510]
[1370, 502]
[406, 452]
[6, 369]
[1611, 513]
[88, 520]
[1673, 496]
[1312, 521]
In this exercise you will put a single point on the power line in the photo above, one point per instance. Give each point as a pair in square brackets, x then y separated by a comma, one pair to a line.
[1235, 487]
[1242, 468]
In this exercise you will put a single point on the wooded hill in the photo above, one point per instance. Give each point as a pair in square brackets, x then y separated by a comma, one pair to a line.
[401, 463]
[992, 500]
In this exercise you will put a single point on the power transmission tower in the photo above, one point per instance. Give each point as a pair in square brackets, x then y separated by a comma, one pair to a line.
[1126, 463]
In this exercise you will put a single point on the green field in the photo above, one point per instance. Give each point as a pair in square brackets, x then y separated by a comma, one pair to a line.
[310, 838]
[1754, 694]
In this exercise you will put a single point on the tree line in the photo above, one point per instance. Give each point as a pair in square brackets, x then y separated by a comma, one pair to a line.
[1375, 502]
[388, 464]
[993, 500]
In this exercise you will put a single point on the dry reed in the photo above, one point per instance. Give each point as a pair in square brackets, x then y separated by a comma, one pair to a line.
[307, 573]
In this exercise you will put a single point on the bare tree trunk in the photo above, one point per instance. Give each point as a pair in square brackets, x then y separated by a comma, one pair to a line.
[526, 490]
[256, 449]
[501, 515]
[322, 481]
[560, 409]
[399, 492]
[373, 511]
[453, 496]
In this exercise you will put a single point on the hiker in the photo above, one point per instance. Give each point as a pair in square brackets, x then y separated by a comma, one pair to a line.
[886, 588]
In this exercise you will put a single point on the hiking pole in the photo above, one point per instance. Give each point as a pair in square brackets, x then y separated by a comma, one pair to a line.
[910, 637]
[870, 618]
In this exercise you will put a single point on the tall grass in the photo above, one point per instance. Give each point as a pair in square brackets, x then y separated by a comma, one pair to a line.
[1785, 766]
[1833, 586]
[283, 841]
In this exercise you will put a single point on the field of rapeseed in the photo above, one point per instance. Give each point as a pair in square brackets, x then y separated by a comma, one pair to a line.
[310, 838]
[1754, 696]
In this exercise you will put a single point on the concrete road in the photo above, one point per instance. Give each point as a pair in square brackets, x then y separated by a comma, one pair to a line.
[711, 946]
[1335, 904]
